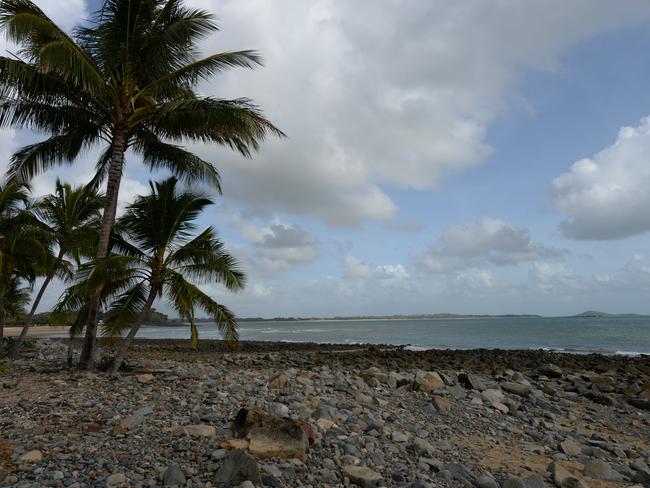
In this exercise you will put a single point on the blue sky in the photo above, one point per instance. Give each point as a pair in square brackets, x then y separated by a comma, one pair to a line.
[430, 160]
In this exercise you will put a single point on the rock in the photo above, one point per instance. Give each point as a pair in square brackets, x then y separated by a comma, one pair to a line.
[428, 381]
[200, 430]
[116, 480]
[144, 378]
[398, 436]
[237, 468]
[642, 477]
[269, 480]
[361, 476]
[562, 477]
[271, 436]
[639, 403]
[640, 465]
[235, 444]
[471, 381]
[570, 447]
[532, 481]
[441, 404]
[492, 396]
[460, 473]
[325, 424]
[247, 484]
[278, 382]
[421, 446]
[516, 388]
[485, 481]
[601, 471]
[219, 454]
[31, 456]
[173, 476]
[128, 423]
[550, 371]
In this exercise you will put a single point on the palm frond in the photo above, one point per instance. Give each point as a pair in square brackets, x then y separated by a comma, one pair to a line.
[183, 164]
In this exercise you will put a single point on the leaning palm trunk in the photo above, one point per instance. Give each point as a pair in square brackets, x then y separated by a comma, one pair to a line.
[125, 342]
[13, 352]
[108, 220]
[2, 321]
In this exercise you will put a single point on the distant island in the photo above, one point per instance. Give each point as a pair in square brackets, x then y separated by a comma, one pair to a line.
[596, 314]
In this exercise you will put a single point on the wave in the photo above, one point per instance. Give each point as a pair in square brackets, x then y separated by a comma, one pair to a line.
[632, 353]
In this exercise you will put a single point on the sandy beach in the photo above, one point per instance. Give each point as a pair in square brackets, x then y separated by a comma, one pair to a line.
[39, 331]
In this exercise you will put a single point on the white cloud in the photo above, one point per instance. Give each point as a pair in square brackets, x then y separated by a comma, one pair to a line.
[606, 196]
[278, 247]
[480, 243]
[355, 268]
[398, 95]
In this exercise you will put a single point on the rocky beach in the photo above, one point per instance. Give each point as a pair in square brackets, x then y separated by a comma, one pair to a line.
[310, 415]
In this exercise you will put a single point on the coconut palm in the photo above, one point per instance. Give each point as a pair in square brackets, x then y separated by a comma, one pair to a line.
[23, 244]
[72, 216]
[125, 81]
[160, 255]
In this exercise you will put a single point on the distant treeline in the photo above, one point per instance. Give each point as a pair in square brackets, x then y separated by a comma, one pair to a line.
[153, 318]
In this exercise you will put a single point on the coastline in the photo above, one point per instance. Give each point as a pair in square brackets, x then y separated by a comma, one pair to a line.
[39, 331]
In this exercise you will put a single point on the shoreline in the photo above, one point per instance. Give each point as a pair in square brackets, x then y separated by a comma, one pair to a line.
[61, 332]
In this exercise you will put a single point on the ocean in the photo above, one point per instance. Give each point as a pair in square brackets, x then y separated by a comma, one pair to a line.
[608, 335]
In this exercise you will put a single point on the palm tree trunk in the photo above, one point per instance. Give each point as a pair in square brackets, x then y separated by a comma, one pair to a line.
[28, 321]
[108, 220]
[125, 343]
[2, 319]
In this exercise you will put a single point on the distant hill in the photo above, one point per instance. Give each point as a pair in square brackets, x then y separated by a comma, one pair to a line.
[596, 314]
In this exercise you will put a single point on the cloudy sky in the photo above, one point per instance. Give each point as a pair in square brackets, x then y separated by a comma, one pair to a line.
[469, 157]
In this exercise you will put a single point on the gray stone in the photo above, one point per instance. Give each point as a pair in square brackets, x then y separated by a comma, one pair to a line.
[570, 447]
[362, 476]
[601, 471]
[471, 381]
[515, 388]
[485, 481]
[239, 466]
[550, 371]
[116, 480]
[173, 476]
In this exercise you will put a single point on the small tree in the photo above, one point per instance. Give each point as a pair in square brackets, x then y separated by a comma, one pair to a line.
[23, 244]
[159, 256]
[72, 217]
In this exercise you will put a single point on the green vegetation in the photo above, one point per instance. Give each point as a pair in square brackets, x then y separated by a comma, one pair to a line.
[126, 82]
[155, 257]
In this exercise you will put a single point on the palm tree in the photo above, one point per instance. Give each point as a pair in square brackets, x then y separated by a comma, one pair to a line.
[23, 244]
[160, 254]
[127, 81]
[72, 216]
[16, 298]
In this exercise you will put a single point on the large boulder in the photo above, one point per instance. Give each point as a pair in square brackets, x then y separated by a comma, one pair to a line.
[550, 371]
[428, 381]
[270, 436]
[471, 381]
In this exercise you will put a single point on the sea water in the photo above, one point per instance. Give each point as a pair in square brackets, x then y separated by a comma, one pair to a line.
[609, 335]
